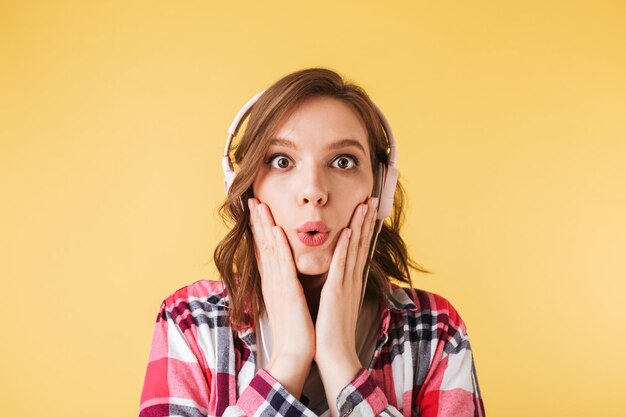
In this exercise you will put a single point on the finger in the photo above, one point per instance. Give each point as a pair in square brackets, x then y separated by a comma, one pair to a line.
[264, 264]
[366, 235]
[338, 262]
[262, 240]
[284, 255]
[264, 229]
[267, 219]
[356, 225]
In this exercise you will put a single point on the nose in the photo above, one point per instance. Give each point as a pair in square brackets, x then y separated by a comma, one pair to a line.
[313, 189]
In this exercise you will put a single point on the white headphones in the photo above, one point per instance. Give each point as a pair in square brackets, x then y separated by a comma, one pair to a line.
[384, 186]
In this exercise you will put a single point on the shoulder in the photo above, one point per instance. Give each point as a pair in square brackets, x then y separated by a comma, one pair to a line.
[425, 309]
[204, 289]
[204, 295]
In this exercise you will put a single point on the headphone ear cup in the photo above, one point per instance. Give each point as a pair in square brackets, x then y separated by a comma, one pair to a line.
[229, 173]
[229, 178]
[389, 181]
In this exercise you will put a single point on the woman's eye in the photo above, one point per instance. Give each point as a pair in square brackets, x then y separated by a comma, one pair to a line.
[345, 162]
[279, 161]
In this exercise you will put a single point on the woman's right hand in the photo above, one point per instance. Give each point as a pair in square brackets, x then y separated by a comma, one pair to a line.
[293, 333]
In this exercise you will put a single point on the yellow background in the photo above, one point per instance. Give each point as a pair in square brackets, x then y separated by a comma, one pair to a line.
[510, 118]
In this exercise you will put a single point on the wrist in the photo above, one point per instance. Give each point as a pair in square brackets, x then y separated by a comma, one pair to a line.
[290, 373]
[337, 374]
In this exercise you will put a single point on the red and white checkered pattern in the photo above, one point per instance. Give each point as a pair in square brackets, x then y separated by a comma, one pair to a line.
[198, 366]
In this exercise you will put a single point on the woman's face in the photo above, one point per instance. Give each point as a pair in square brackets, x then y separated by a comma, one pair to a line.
[317, 169]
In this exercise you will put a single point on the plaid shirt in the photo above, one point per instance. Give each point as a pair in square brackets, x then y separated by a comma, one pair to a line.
[198, 366]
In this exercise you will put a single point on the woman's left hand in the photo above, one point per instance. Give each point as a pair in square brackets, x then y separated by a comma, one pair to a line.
[335, 327]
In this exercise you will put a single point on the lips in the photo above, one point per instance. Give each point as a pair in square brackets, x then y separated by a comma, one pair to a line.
[313, 233]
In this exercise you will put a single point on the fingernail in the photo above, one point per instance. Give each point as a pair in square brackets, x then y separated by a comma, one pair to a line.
[364, 209]
[373, 202]
[348, 233]
[250, 204]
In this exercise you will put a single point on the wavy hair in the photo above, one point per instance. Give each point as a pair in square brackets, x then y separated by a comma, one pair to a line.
[234, 256]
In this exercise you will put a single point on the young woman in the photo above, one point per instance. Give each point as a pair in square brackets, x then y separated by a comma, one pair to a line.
[306, 319]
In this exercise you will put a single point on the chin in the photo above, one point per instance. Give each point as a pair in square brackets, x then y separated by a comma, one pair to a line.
[312, 271]
[313, 265]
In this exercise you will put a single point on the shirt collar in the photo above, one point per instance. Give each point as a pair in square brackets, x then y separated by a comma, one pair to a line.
[398, 302]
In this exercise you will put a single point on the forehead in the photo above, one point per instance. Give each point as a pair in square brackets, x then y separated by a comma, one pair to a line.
[323, 121]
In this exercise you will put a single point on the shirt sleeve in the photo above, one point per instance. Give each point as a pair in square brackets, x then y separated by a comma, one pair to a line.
[265, 396]
[450, 389]
[177, 382]
[362, 397]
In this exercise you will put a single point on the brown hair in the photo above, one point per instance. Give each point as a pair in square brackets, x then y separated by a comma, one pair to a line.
[234, 256]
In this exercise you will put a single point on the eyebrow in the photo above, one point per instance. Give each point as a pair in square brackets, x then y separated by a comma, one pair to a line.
[341, 143]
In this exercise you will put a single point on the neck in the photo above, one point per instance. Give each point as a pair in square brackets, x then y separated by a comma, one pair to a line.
[312, 286]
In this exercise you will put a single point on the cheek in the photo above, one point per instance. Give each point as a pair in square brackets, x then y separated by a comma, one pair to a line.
[274, 197]
[348, 199]
[264, 190]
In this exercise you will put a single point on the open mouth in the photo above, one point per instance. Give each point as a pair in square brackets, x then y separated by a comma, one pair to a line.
[313, 238]
[313, 233]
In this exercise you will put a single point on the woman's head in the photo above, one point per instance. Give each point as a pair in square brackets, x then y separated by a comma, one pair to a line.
[310, 151]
